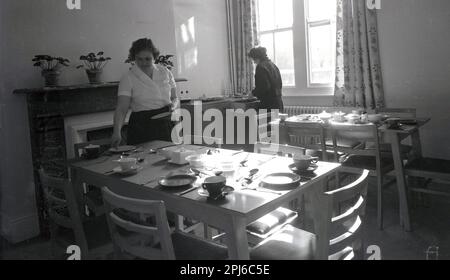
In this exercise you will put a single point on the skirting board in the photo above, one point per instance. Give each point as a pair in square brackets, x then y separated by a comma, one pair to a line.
[19, 229]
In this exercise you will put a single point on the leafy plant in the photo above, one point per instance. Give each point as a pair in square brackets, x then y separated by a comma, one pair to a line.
[94, 61]
[164, 60]
[50, 63]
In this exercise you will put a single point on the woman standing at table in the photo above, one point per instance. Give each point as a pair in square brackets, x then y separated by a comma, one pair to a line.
[268, 83]
[149, 91]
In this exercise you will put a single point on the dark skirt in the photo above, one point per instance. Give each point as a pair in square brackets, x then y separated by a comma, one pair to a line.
[142, 129]
[271, 103]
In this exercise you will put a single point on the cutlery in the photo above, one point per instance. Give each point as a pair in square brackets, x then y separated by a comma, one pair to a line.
[237, 153]
[252, 173]
[261, 190]
[187, 191]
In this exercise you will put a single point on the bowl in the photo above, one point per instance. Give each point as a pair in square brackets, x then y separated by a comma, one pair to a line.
[195, 161]
[303, 162]
[127, 163]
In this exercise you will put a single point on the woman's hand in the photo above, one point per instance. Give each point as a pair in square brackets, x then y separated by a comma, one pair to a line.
[116, 140]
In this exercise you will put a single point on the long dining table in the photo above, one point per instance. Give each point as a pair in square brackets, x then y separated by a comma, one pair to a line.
[230, 215]
[394, 137]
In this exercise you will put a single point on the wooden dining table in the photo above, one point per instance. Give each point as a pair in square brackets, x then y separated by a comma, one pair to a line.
[394, 137]
[230, 215]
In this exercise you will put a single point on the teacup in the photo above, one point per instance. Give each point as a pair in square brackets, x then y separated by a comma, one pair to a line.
[303, 162]
[214, 185]
[283, 117]
[127, 164]
[92, 151]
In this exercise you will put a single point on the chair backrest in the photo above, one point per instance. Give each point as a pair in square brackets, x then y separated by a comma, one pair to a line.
[366, 133]
[203, 140]
[309, 136]
[349, 204]
[80, 146]
[275, 149]
[409, 113]
[56, 192]
[122, 228]
[264, 129]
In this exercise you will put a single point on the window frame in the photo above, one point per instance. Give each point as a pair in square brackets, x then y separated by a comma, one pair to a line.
[300, 34]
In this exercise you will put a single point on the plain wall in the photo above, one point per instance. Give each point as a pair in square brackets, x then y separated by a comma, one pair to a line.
[202, 47]
[30, 27]
[414, 45]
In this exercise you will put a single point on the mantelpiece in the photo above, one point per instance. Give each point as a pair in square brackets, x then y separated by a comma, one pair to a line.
[47, 110]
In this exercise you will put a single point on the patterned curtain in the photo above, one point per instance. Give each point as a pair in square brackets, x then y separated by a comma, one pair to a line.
[359, 81]
[246, 37]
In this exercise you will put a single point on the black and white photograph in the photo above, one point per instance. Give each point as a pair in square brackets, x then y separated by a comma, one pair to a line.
[225, 130]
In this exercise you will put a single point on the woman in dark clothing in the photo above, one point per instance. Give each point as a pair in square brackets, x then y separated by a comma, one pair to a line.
[149, 91]
[268, 82]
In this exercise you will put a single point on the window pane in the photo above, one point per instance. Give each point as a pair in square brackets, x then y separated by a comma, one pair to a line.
[321, 9]
[284, 13]
[321, 48]
[266, 41]
[266, 15]
[284, 56]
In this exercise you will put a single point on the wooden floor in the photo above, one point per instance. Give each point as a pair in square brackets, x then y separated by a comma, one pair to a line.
[431, 226]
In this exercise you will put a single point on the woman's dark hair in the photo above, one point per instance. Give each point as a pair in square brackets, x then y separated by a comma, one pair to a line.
[140, 45]
[258, 53]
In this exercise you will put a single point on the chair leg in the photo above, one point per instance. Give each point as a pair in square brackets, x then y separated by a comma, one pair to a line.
[380, 200]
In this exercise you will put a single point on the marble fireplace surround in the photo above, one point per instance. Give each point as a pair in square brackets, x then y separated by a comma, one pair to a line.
[60, 117]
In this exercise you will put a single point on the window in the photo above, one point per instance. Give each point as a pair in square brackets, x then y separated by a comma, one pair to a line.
[300, 38]
[275, 20]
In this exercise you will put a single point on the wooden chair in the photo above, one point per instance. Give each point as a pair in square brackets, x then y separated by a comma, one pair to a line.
[364, 158]
[276, 149]
[264, 129]
[149, 236]
[346, 229]
[310, 136]
[272, 222]
[66, 219]
[92, 195]
[403, 113]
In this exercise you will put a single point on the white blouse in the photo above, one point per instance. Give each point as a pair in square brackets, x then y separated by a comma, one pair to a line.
[146, 93]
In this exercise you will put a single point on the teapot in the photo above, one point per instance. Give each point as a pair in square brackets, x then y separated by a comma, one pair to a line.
[325, 116]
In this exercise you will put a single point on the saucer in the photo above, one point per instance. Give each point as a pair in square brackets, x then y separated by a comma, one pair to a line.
[227, 190]
[134, 170]
[310, 169]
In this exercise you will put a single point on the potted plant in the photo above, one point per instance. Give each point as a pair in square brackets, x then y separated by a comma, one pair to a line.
[51, 67]
[165, 60]
[94, 64]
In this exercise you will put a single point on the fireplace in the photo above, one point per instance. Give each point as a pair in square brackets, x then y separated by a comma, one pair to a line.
[59, 118]
[87, 127]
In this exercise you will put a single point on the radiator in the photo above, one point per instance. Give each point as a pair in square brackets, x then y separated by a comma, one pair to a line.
[300, 110]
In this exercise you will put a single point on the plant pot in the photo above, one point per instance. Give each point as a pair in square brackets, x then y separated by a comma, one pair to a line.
[94, 76]
[51, 78]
